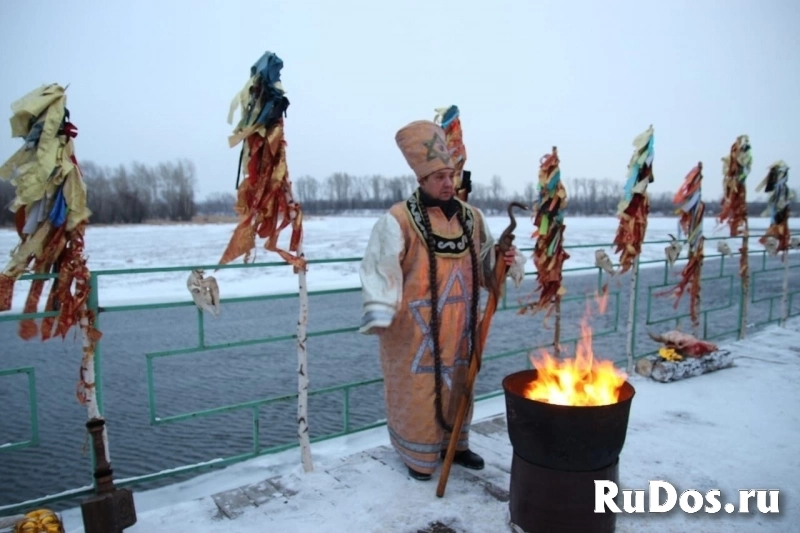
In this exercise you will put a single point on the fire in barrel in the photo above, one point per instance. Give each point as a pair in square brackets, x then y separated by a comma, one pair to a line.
[567, 422]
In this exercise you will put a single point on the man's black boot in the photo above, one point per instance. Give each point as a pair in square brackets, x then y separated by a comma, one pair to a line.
[467, 459]
[418, 475]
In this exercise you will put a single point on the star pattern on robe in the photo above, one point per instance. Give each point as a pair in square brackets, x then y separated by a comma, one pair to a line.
[436, 148]
[426, 344]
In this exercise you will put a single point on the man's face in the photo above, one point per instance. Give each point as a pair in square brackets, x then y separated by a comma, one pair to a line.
[440, 184]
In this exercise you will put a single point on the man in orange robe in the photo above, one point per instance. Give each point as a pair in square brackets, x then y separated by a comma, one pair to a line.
[426, 337]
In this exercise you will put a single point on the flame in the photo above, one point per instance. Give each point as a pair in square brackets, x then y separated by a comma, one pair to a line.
[582, 381]
[601, 299]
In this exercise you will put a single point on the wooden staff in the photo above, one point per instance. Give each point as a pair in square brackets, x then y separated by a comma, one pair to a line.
[504, 244]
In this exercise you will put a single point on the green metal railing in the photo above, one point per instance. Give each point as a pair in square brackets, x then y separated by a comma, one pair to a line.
[758, 268]
[706, 277]
[33, 440]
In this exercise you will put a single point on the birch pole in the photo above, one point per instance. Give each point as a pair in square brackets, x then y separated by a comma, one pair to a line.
[549, 254]
[744, 276]
[777, 238]
[87, 385]
[733, 210]
[632, 312]
[265, 196]
[784, 297]
[633, 209]
[302, 373]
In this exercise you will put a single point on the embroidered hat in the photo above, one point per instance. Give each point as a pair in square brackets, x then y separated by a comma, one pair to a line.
[423, 145]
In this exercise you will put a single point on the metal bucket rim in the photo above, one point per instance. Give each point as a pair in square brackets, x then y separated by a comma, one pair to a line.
[626, 394]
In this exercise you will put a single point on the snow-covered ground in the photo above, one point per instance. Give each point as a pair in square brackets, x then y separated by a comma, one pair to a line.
[730, 430]
[734, 429]
[330, 237]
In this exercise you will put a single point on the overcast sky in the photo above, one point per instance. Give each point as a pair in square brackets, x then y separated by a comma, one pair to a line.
[152, 81]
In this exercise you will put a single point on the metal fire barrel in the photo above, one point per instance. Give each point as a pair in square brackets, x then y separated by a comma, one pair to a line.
[559, 452]
[556, 501]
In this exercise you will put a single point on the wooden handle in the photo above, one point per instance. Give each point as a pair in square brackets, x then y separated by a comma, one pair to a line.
[496, 282]
[491, 306]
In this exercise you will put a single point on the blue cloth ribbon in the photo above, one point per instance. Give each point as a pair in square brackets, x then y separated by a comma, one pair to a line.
[268, 68]
[59, 212]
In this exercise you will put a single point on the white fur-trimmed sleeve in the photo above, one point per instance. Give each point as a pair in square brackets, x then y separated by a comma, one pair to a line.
[381, 275]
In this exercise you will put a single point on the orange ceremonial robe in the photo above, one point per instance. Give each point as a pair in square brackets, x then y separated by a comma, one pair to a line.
[396, 296]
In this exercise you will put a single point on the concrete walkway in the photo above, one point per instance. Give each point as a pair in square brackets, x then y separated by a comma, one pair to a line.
[734, 429]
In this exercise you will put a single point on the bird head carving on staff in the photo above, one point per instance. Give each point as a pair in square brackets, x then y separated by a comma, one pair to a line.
[504, 243]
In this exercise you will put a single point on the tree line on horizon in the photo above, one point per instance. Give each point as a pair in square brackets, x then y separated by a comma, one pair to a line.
[139, 193]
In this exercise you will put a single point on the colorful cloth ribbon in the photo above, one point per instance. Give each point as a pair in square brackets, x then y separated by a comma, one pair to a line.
[449, 119]
[51, 214]
[691, 210]
[549, 254]
[735, 169]
[265, 202]
[780, 196]
[634, 206]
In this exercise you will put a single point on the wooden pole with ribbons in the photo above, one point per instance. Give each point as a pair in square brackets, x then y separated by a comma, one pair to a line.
[504, 244]
[691, 209]
[777, 237]
[549, 254]
[266, 204]
[735, 169]
[632, 212]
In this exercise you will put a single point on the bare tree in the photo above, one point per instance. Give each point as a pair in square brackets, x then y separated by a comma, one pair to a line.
[498, 190]
[166, 191]
[377, 184]
[339, 187]
[530, 194]
[177, 189]
[396, 189]
[218, 203]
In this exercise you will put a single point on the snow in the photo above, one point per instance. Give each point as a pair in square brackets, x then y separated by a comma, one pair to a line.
[733, 429]
[111, 248]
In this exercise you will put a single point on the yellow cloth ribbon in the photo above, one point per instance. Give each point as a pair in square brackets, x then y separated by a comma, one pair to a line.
[669, 354]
